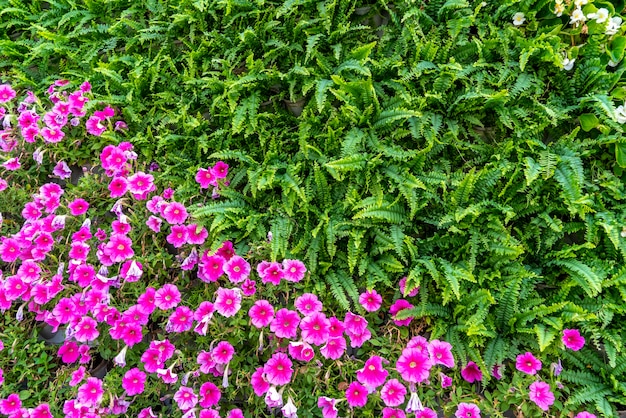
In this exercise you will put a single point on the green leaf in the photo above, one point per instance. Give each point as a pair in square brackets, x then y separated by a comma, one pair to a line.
[620, 154]
[616, 50]
[545, 336]
[588, 121]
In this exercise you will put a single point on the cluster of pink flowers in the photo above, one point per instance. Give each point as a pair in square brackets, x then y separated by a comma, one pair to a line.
[207, 177]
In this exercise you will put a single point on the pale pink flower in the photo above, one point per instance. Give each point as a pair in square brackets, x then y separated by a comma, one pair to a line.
[278, 369]
[185, 398]
[203, 315]
[227, 301]
[392, 393]
[134, 382]
[527, 363]
[261, 313]
[356, 395]
[540, 394]
[572, 339]
[334, 348]
[370, 300]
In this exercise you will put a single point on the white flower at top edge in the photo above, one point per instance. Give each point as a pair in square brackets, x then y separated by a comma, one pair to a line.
[577, 16]
[580, 3]
[601, 15]
[559, 8]
[518, 18]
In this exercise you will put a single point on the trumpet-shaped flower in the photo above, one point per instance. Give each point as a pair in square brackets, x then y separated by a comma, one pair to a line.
[467, 410]
[210, 395]
[334, 348]
[441, 353]
[261, 313]
[328, 407]
[370, 300]
[393, 413]
[285, 323]
[167, 297]
[90, 393]
[572, 339]
[414, 366]
[540, 394]
[392, 393]
[278, 369]
[293, 270]
[228, 301]
[315, 328]
[237, 269]
[373, 374]
[186, 398]
[356, 395]
[134, 382]
[223, 352]
[528, 363]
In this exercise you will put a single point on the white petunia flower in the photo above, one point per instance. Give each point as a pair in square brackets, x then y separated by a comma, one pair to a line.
[577, 16]
[518, 18]
[620, 114]
[600, 16]
[568, 64]
[614, 25]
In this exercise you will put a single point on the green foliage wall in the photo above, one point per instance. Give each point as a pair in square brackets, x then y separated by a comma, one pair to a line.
[437, 141]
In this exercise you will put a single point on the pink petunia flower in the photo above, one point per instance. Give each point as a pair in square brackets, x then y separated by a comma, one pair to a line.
[52, 135]
[400, 305]
[370, 300]
[220, 170]
[95, 126]
[186, 398]
[12, 404]
[210, 395]
[441, 353]
[154, 223]
[9, 250]
[178, 236]
[211, 268]
[167, 297]
[119, 248]
[12, 164]
[77, 376]
[258, 382]
[205, 178]
[446, 381]
[392, 393]
[355, 324]
[6, 94]
[293, 270]
[237, 269]
[356, 395]
[118, 187]
[270, 272]
[394, 413]
[315, 328]
[585, 414]
[134, 382]
[328, 407]
[308, 304]
[471, 373]
[86, 330]
[467, 410]
[527, 363]
[228, 301]
[572, 339]
[180, 320]
[373, 374]
[68, 352]
[174, 213]
[90, 394]
[223, 352]
[278, 369]
[301, 351]
[197, 234]
[540, 394]
[261, 313]
[285, 323]
[414, 366]
[334, 348]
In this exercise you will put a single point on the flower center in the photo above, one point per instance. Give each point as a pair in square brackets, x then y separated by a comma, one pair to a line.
[412, 364]
[229, 302]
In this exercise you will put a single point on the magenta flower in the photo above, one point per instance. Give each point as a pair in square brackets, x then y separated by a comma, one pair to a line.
[392, 393]
[328, 407]
[52, 135]
[528, 363]
[6, 94]
[223, 352]
[237, 269]
[356, 395]
[358, 338]
[210, 395]
[400, 305]
[68, 352]
[9, 250]
[197, 234]
[77, 376]
[467, 410]
[185, 398]
[228, 301]
[585, 414]
[441, 353]
[154, 223]
[334, 348]
[285, 323]
[426, 413]
[354, 324]
[258, 382]
[134, 382]
[418, 342]
[167, 297]
[315, 328]
[270, 272]
[278, 369]
[370, 300]
[95, 126]
[414, 366]
[301, 351]
[308, 303]
[373, 374]
[261, 313]
[180, 320]
[141, 183]
[203, 315]
[119, 248]
[220, 170]
[248, 287]
[205, 178]
[90, 393]
[293, 270]
[471, 373]
[211, 268]
[78, 207]
[174, 213]
[446, 381]
[178, 236]
[394, 413]
[12, 164]
[12, 404]
[540, 394]
[86, 330]
[572, 339]
[336, 327]
[118, 187]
